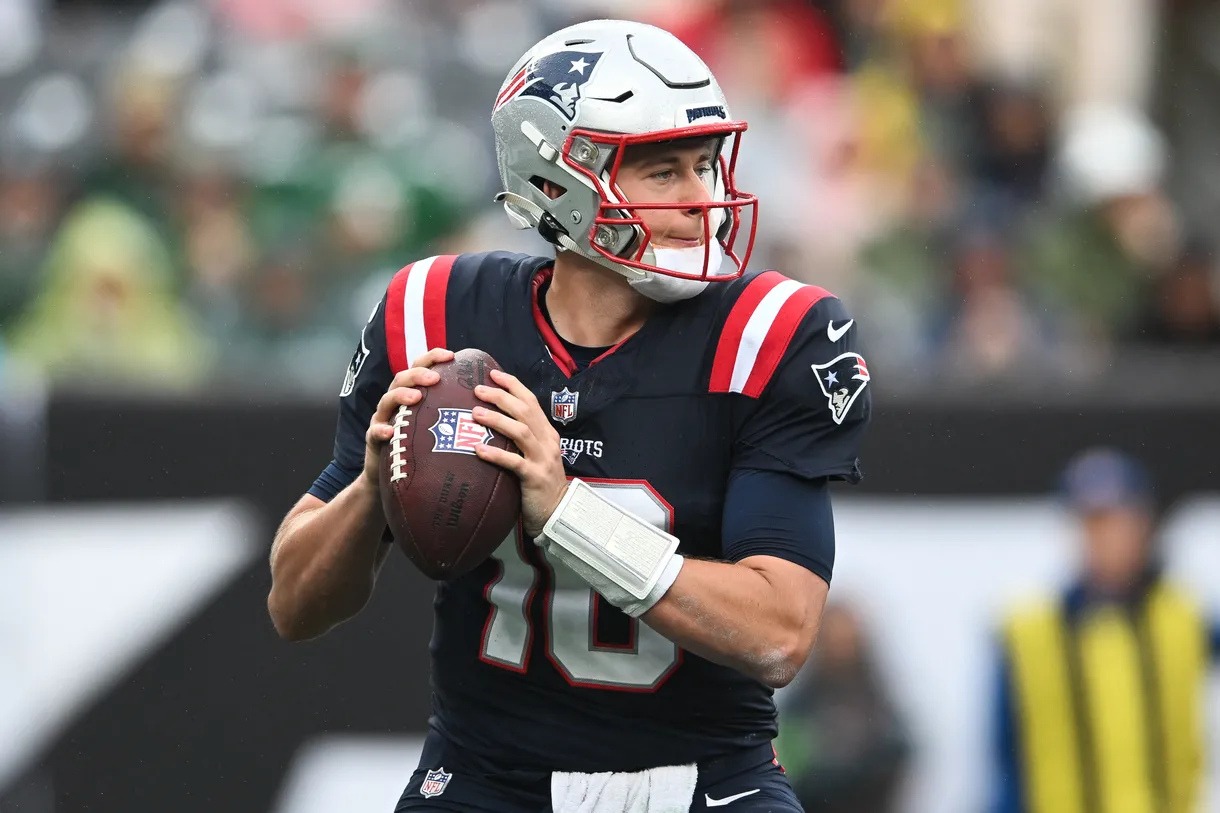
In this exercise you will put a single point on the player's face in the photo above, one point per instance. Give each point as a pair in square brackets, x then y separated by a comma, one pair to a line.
[1117, 547]
[671, 172]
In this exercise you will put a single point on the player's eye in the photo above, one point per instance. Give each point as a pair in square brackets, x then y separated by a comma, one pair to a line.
[663, 175]
[704, 170]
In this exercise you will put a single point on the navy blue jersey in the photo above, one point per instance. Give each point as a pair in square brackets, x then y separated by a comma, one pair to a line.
[531, 669]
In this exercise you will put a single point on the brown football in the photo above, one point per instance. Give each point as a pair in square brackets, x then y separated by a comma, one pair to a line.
[447, 508]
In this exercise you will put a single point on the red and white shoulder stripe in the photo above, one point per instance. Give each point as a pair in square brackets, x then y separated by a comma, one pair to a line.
[758, 330]
[415, 310]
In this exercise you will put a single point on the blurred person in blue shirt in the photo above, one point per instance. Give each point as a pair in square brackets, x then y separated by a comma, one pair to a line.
[1100, 698]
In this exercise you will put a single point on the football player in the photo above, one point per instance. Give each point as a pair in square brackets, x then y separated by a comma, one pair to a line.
[653, 385]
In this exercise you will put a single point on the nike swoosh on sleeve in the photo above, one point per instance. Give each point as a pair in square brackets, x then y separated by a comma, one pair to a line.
[835, 333]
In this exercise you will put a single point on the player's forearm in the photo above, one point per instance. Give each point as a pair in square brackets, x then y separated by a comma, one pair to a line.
[324, 561]
[732, 614]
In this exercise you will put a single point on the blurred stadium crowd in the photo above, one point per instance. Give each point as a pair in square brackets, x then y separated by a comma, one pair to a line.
[196, 193]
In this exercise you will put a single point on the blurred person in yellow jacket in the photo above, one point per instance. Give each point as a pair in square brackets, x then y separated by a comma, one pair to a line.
[107, 313]
[1100, 701]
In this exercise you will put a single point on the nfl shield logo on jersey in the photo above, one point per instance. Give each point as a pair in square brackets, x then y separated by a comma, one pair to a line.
[563, 405]
[457, 431]
[842, 380]
[435, 783]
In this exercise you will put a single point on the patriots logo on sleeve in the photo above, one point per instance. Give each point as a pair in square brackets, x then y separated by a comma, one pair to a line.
[555, 78]
[353, 369]
[358, 358]
[842, 379]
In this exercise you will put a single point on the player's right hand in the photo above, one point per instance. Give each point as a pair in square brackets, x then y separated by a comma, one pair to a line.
[404, 391]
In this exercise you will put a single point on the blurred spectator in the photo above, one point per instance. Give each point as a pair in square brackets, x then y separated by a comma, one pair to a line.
[218, 248]
[1100, 691]
[1186, 103]
[30, 201]
[841, 740]
[106, 313]
[991, 329]
[937, 64]
[902, 280]
[1118, 231]
[766, 51]
[337, 140]
[1091, 52]
[1014, 152]
[1184, 309]
[138, 169]
[860, 27]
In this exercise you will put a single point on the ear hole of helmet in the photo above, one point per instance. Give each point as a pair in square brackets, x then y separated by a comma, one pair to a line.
[555, 192]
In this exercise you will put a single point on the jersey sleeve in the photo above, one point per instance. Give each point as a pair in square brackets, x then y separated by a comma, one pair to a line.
[808, 400]
[409, 321]
[769, 513]
[367, 379]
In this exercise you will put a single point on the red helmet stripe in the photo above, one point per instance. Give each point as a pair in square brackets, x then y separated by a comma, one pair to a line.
[512, 88]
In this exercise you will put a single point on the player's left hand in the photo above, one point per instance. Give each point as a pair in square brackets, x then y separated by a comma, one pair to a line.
[540, 462]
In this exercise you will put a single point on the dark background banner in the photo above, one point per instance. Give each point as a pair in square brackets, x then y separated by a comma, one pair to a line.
[209, 720]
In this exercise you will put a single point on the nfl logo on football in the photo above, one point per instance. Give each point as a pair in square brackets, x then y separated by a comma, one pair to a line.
[457, 431]
[435, 783]
[563, 405]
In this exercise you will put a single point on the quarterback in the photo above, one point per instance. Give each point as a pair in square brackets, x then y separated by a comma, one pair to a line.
[649, 374]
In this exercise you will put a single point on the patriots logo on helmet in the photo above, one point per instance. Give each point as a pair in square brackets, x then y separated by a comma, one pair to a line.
[555, 78]
[842, 379]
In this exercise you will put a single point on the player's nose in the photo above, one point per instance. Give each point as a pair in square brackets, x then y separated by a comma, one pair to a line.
[694, 190]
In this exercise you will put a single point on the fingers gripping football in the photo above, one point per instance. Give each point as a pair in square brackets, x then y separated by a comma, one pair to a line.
[539, 465]
[404, 390]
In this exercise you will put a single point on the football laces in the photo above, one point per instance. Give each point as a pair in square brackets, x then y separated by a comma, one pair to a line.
[398, 444]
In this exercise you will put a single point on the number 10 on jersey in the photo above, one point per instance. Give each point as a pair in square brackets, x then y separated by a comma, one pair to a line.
[570, 609]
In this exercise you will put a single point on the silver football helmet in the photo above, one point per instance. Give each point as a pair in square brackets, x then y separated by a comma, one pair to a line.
[565, 114]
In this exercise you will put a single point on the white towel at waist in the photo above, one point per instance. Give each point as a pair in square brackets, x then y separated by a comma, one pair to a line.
[668, 789]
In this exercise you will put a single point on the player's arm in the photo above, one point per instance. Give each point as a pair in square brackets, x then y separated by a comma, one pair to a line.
[324, 561]
[759, 612]
[328, 549]
[802, 428]
[758, 615]
[325, 556]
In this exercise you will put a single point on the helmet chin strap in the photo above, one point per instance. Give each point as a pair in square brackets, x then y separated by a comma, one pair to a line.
[550, 228]
[554, 232]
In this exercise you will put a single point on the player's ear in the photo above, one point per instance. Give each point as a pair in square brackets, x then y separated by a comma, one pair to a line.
[551, 189]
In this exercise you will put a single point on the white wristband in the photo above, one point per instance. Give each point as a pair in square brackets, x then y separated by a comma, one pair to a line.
[630, 562]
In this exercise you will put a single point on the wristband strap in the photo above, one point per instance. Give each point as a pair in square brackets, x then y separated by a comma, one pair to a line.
[629, 561]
